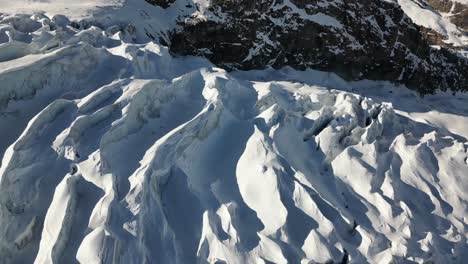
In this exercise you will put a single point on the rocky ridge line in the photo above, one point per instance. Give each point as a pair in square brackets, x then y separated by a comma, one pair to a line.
[362, 39]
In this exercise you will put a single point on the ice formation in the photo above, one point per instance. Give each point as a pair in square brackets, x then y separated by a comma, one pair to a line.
[116, 152]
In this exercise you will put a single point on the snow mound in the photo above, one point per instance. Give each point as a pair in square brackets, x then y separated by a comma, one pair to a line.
[115, 152]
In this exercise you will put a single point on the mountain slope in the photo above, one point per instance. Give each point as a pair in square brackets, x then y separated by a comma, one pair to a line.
[118, 152]
[445, 20]
[377, 40]
[357, 40]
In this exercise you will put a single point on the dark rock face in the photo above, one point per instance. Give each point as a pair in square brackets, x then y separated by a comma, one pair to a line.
[441, 5]
[461, 19]
[362, 39]
[161, 3]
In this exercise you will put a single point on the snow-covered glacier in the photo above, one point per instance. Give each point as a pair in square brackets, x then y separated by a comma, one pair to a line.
[118, 152]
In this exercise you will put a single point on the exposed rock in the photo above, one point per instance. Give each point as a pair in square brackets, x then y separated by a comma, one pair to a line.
[461, 19]
[443, 22]
[458, 12]
[433, 37]
[361, 39]
[161, 3]
[442, 6]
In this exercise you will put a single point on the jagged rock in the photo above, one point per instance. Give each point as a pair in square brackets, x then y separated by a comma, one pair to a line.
[362, 39]
[461, 19]
[457, 12]
[161, 3]
[433, 37]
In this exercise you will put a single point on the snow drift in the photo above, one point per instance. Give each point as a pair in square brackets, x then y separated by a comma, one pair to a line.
[115, 152]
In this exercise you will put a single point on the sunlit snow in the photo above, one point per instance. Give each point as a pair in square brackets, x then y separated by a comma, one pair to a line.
[117, 152]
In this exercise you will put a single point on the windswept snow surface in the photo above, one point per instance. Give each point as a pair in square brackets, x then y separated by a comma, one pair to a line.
[115, 152]
[73, 9]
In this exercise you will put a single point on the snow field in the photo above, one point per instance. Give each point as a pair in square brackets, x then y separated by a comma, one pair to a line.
[116, 152]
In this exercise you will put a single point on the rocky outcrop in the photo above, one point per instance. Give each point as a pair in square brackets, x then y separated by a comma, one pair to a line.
[161, 3]
[458, 12]
[461, 19]
[362, 39]
[433, 37]
[442, 6]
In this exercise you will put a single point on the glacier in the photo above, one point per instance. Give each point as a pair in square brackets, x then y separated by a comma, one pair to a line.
[115, 151]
